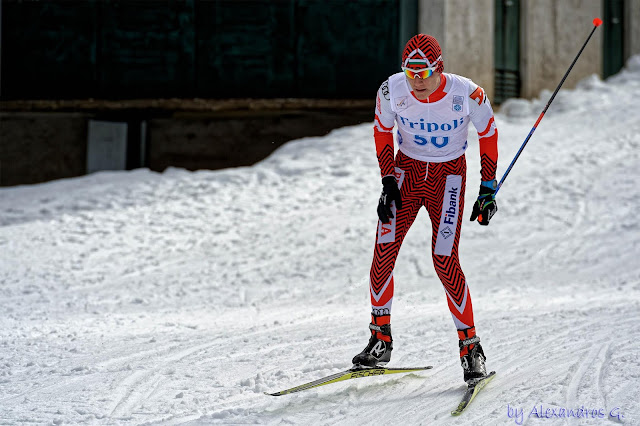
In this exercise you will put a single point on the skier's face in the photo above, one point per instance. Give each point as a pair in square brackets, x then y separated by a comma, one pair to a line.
[423, 87]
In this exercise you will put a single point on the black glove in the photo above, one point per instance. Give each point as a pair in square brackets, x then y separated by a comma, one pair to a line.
[485, 207]
[390, 192]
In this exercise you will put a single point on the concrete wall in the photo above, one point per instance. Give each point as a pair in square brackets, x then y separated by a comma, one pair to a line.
[552, 33]
[469, 39]
[201, 141]
[632, 28]
[41, 146]
[432, 21]
[37, 147]
[464, 29]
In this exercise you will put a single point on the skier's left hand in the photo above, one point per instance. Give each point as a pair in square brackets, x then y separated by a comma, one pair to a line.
[486, 206]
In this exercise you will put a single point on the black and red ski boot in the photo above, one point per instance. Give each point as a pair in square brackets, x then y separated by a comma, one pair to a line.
[378, 351]
[472, 356]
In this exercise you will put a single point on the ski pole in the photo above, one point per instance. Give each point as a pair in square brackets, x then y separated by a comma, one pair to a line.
[596, 23]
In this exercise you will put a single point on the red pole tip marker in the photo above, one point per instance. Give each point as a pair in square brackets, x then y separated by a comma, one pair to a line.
[597, 22]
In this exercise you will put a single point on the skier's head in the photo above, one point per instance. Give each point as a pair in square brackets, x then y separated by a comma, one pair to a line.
[422, 52]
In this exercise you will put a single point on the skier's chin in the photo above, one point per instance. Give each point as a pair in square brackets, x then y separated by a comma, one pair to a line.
[420, 93]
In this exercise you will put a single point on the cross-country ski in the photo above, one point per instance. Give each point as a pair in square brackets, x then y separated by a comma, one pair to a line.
[352, 373]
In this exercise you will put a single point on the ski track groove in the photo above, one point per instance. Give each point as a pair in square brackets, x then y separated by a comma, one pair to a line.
[604, 358]
[134, 387]
[103, 365]
[580, 375]
[141, 382]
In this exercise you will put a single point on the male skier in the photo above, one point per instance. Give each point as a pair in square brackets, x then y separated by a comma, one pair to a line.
[432, 111]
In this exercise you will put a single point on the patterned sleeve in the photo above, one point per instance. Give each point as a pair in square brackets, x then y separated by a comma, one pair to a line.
[481, 115]
[383, 131]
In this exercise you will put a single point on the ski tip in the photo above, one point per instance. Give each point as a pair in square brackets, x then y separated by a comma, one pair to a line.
[460, 408]
[472, 389]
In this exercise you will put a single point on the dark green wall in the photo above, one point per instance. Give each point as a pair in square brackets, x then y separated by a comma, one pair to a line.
[613, 39]
[507, 50]
[65, 49]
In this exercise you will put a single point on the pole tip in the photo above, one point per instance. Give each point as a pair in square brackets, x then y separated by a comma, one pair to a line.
[597, 22]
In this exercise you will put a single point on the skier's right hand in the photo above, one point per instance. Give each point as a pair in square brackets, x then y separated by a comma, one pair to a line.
[486, 206]
[390, 192]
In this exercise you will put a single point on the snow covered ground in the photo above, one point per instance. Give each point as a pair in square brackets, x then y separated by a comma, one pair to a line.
[178, 298]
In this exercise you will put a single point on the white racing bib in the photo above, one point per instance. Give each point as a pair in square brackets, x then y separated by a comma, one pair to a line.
[434, 131]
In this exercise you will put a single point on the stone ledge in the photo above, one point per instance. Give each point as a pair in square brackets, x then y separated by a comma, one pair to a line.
[184, 105]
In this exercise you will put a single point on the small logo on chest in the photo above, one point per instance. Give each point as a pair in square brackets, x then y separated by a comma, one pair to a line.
[401, 103]
[457, 103]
